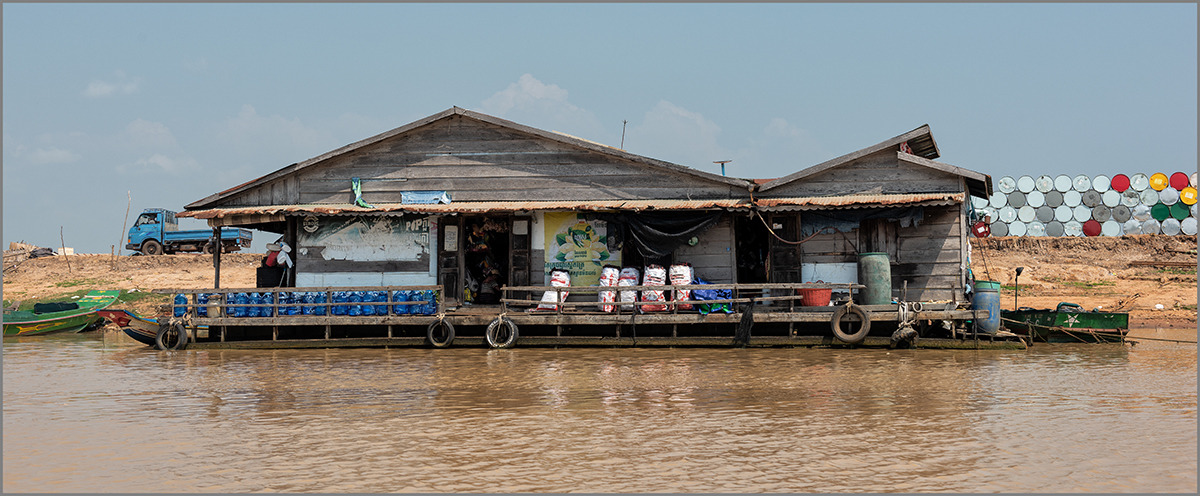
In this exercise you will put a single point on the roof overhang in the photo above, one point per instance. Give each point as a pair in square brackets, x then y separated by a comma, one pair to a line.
[858, 201]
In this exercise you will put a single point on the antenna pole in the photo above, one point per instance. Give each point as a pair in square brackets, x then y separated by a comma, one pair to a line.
[623, 122]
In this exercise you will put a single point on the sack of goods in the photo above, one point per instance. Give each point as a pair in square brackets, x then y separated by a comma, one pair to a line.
[655, 275]
[609, 275]
[681, 275]
[558, 278]
[712, 294]
[629, 277]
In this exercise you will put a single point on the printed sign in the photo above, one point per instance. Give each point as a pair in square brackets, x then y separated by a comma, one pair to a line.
[366, 239]
[578, 246]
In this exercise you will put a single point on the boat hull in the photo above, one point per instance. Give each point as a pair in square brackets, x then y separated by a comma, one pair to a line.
[27, 323]
[1053, 326]
[141, 329]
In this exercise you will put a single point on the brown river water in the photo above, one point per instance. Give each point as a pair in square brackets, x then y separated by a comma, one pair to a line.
[98, 412]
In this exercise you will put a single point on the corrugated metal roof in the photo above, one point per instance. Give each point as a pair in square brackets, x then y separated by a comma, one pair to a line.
[858, 201]
[470, 207]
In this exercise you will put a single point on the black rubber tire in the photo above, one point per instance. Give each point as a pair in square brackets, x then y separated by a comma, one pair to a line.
[163, 340]
[836, 323]
[206, 249]
[152, 247]
[499, 338]
[436, 339]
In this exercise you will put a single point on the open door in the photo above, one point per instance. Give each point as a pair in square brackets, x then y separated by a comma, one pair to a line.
[449, 242]
[784, 265]
[519, 253]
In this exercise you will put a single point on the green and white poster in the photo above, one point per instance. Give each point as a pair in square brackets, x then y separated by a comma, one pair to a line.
[578, 246]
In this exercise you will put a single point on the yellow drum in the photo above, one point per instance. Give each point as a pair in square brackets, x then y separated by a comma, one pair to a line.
[1159, 181]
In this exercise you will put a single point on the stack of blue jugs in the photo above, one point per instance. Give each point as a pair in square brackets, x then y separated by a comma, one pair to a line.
[399, 296]
[237, 299]
[340, 297]
[180, 305]
[202, 300]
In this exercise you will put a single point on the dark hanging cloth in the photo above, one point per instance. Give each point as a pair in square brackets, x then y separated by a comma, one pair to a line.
[656, 234]
[57, 306]
[812, 221]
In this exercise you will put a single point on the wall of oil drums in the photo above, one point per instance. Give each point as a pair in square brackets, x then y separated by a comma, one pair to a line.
[1088, 206]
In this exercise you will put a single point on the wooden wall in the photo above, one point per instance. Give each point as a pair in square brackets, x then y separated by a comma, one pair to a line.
[929, 256]
[712, 258]
[878, 173]
[478, 161]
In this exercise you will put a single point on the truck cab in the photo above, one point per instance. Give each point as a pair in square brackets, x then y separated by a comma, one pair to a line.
[156, 231]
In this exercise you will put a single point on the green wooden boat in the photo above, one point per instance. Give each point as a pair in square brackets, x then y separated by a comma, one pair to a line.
[1068, 323]
[65, 316]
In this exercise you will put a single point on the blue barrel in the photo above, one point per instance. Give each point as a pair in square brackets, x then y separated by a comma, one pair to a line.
[987, 297]
[874, 272]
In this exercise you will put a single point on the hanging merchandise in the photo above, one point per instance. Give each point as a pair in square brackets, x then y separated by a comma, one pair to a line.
[477, 239]
[681, 275]
[629, 277]
[655, 275]
[609, 275]
[560, 279]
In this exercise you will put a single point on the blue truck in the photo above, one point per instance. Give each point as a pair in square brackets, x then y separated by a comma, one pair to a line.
[157, 231]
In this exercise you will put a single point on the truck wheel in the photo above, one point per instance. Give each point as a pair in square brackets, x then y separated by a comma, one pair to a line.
[206, 249]
[152, 247]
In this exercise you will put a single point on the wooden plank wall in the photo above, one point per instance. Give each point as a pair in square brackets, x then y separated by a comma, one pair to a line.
[877, 173]
[478, 161]
[712, 258]
[929, 256]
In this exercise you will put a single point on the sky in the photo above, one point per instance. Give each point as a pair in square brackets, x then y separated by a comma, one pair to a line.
[109, 107]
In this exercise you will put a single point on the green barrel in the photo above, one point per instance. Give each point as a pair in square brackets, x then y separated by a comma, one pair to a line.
[981, 284]
[874, 272]
[1179, 211]
[1160, 212]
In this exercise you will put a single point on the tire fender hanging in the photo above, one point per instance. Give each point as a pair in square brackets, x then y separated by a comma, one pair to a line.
[836, 323]
[162, 339]
[431, 334]
[499, 337]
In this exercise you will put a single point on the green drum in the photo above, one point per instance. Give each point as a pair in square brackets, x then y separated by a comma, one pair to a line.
[874, 272]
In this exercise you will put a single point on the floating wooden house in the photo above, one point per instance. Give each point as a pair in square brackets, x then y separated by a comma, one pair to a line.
[485, 209]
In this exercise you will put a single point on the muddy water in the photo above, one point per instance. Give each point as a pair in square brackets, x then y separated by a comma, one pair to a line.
[95, 413]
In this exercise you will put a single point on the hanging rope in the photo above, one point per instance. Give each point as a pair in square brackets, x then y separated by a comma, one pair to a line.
[819, 231]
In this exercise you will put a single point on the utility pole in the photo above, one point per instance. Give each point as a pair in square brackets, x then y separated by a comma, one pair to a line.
[623, 122]
[722, 162]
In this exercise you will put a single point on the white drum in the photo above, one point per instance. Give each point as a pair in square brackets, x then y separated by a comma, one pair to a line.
[1149, 197]
[998, 200]
[990, 214]
[1035, 199]
[1132, 226]
[1110, 228]
[1192, 180]
[1100, 183]
[1082, 183]
[1081, 213]
[1025, 184]
[1063, 213]
[1168, 196]
[1111, 198]
[1045, 183]
[1188, 226]
[1054, 228]
[1026, 214]
[1008, 214]
[1139, 182]
[1170, 227]
[1141, 213]
[1072, 228]
[1016, 229]
[1035, 228]
[978, 202]
[1130, 198]
[1007, 184]
[1062, 183]
[1072, 198]
[1151, 227]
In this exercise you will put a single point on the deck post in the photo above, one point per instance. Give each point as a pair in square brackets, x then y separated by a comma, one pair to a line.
[217, 249]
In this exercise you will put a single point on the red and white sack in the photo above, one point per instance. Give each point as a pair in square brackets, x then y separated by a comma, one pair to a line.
[681, 275]
[609, 275]
[558, 278]
[655, 275]
[629, 277]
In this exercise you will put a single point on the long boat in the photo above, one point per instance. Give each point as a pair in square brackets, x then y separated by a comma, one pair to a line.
[1067, 323]
[64, 316]
[137, 327]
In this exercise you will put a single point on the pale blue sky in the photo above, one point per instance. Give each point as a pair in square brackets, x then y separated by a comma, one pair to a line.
[176, 102]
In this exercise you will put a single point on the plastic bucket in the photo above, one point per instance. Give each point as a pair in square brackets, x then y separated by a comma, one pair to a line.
[875, 272]
[815, 297]
[987, 298]
[992, 285]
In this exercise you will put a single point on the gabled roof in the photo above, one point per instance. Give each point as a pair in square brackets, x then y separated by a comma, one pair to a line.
[924, 150]
[554, 136]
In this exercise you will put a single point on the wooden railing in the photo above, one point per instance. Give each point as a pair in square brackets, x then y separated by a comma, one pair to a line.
[742, 293]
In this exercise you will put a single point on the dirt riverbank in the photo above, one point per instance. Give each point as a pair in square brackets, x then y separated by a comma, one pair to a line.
[1093, 272]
